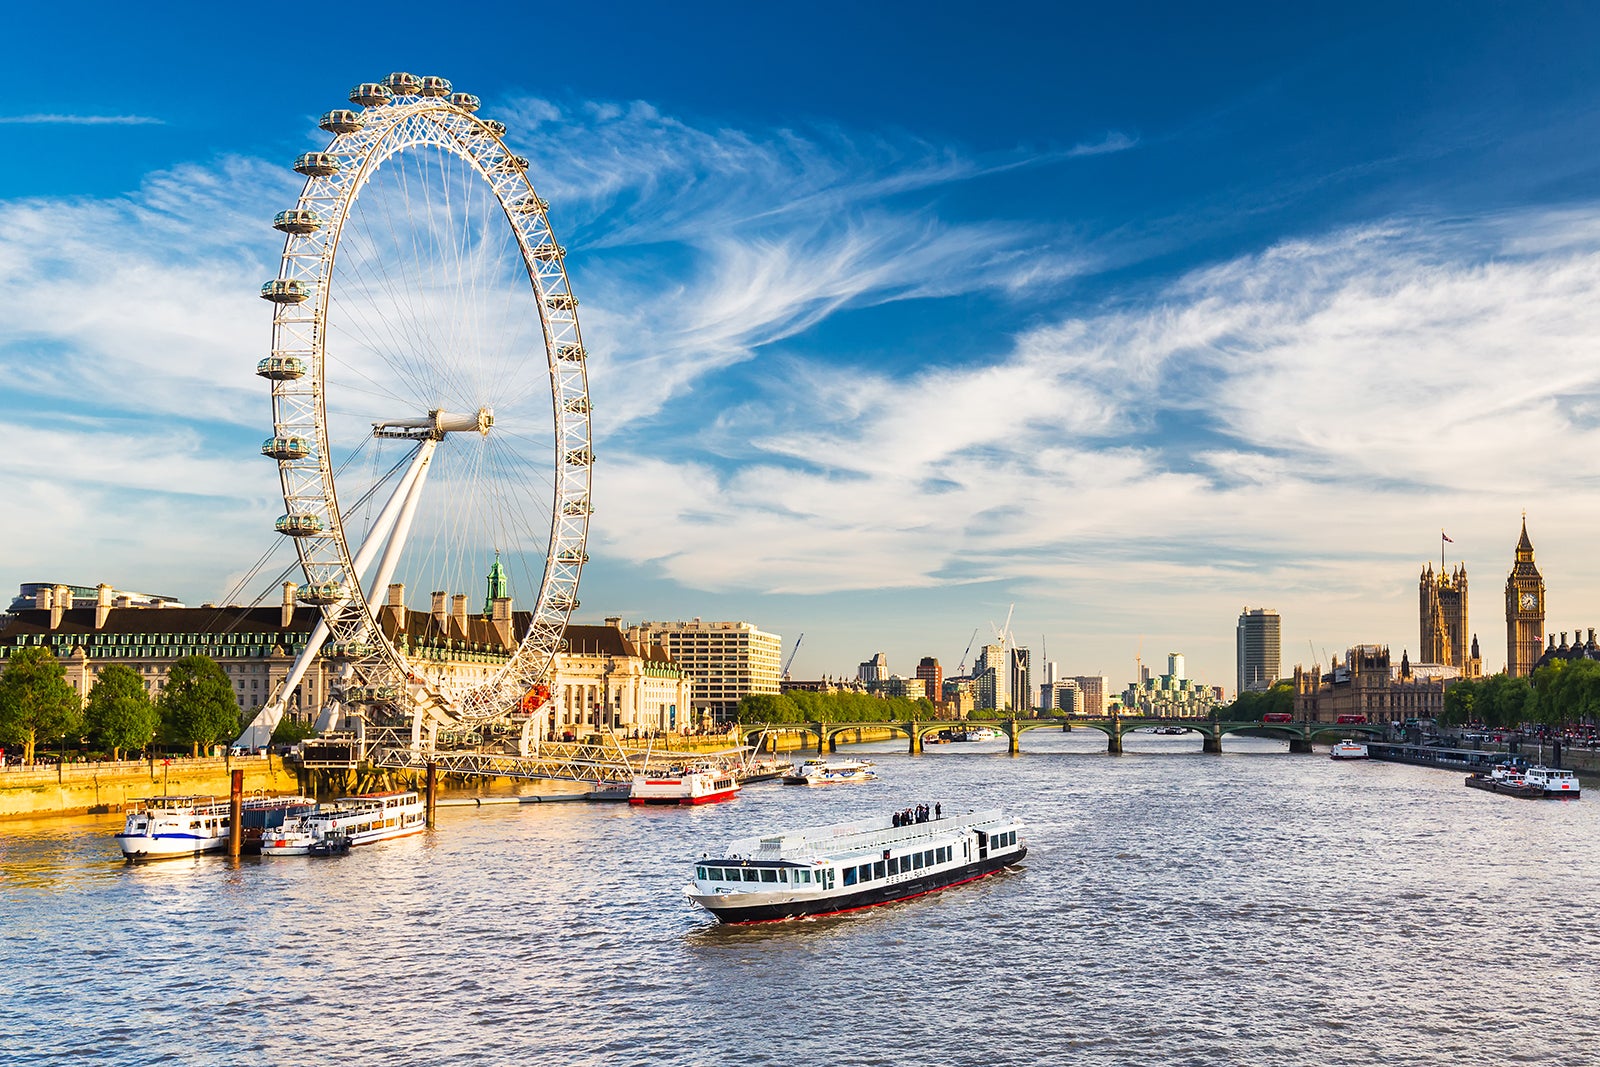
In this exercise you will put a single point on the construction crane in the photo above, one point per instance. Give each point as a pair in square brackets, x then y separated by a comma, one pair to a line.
[1003, 634]
[961, 668]
[792, 652]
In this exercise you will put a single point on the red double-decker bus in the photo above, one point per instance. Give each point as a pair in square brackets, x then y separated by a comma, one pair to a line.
[1277, 716]
[1351, 718]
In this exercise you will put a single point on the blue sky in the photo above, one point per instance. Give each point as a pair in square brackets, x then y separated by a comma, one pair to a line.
[899, 313]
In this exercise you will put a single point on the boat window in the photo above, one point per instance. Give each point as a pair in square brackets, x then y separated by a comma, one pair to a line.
[878, 870]
[916, 861]
[894, 865]
[783, 876]
[700, 873]
[769, 875]
[802, 876]
[864, 872]
[849, 876]
[927, 857]
[750, 874]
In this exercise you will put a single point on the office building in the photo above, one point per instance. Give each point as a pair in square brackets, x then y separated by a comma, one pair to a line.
[1258, 652]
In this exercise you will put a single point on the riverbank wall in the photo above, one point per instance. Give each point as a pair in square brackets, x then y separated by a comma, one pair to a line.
[88, 788]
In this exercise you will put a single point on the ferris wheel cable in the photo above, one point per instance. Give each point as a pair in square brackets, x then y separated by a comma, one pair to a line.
[385, 349]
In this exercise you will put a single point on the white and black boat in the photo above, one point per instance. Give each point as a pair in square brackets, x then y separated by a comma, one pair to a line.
[1554, 781]
[849, 866]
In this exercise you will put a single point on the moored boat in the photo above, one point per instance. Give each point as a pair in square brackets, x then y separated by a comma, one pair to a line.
[981, 733]
[687, 785]
[1553, 781]
[849, 866]
[160, 827]
[830, 771]
[359, 820]
[1510, 784]
[1348, 749]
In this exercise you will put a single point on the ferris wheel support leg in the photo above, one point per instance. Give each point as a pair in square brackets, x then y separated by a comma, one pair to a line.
[412, 493]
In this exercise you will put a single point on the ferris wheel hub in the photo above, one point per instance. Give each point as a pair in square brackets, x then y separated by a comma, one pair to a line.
[437, 423]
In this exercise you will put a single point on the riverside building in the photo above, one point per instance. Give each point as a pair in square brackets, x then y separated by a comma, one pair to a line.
[1170, 695]
[727, 660]
[1368, 684]
[1258, 652]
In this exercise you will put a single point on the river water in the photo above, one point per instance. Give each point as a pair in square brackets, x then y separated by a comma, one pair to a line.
[1175, 908]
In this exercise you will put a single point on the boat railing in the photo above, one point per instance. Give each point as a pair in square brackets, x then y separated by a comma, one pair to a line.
[854, 837]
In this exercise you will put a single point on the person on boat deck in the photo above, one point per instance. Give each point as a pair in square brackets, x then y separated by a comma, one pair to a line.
[936, 810]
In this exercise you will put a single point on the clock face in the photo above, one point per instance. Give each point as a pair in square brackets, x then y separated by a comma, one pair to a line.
[1530, 601]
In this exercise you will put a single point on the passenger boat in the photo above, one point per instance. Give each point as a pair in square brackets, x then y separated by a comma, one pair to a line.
[822, 771]
[1348, 749]
[1553, 781]
[158, 827]
[851, 866]
[688, 785]
[762, 769]
[360, 820]
[981, 733]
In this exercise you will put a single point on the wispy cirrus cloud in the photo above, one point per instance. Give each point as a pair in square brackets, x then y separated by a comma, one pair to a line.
[53, 119]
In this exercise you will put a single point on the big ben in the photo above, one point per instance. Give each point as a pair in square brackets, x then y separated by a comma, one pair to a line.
[1524, 610]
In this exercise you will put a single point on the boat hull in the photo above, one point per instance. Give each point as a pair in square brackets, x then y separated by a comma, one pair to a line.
[1510, 789]
[838, 903]
[704, 798]
[164, 846]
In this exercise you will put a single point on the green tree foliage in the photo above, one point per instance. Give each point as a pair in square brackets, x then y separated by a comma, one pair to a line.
[36, 703]
[1496, 701]
[197, 705]
[803, 706]
[1566, 691]
[289, 732]
[118, 713]
[1249, 707]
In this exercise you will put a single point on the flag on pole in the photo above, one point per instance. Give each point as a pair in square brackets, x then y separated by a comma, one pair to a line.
[1447, 537]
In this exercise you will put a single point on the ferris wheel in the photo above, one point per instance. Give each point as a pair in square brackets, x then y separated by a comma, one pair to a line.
[430, 409]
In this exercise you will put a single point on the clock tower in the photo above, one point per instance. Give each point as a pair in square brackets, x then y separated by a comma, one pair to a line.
[1524, 610]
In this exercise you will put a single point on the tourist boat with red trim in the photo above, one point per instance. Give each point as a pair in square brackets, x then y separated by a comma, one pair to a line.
[684, 785]
[1348, 749]
[849, 866]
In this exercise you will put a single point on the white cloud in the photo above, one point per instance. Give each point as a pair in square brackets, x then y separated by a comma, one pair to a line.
[80, 120]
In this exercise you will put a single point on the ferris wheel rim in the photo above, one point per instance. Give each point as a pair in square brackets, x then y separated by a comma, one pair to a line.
[362, 144]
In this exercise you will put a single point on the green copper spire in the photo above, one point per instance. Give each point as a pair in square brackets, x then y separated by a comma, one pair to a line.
[497, 585]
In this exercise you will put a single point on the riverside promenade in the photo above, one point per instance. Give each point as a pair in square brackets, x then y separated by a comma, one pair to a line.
[79, 788]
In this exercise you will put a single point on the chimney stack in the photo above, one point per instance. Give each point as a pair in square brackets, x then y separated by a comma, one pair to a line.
[502, 621]
[102, 605]
[458, 608]
[61, 602]
[441, 610]
[397, 605]
[43, 598]
[286, 616]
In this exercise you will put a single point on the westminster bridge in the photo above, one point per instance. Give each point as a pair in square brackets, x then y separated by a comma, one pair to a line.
[1300, 734]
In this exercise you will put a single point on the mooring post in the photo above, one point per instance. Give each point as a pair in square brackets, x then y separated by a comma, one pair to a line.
[433, 791]
[236, 813]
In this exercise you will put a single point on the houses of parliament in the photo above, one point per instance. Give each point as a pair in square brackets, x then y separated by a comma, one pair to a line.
[1367, 683]
[1442, 610]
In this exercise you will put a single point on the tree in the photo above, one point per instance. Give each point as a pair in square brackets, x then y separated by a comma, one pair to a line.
[36, 703]
[118, 713]
[1250, 706]
[197, 705]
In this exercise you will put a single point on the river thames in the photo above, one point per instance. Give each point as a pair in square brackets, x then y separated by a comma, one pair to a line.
[1175, 908]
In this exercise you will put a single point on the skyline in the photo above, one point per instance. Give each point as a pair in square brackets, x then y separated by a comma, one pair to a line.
[1133, 331]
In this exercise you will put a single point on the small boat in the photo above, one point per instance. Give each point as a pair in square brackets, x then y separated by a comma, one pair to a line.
[849, 866]
[1553, 781]
[1348, 749]
[358, 820]
[687, 785]
[159, 827]
[762, 769]
[981, 733]
[830, 771]
[1170, 730]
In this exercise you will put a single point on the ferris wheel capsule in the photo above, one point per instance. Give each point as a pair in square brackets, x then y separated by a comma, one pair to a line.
[286, 291]
[296, 220]
[371, 94]
[434, 86]
[282, 368]
[289, 446]
[317, 164]
[466, 102]
[494, 126]
[342, 120]
[402, 84]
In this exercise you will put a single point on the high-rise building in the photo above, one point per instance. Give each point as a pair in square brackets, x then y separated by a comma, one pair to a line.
[1524, 610]
[932, 676]
[991, 677]
[1021, 680]
[1060, 698]
[1442, 611]
[1258, 641]
[875, 669]
[1093, 692]
[727, 660]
